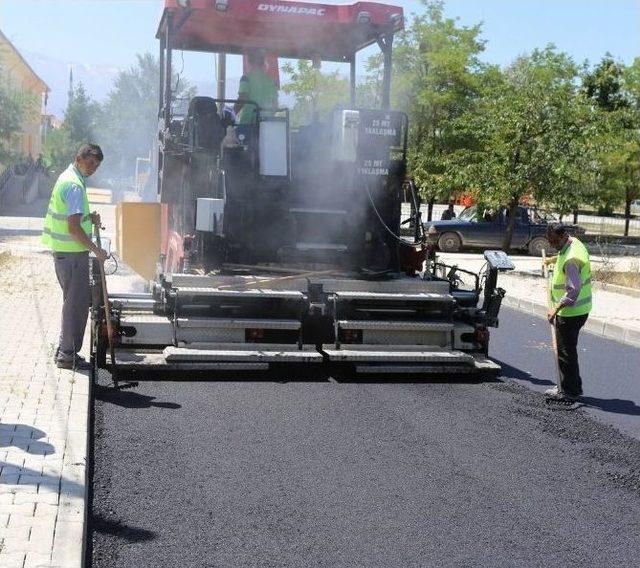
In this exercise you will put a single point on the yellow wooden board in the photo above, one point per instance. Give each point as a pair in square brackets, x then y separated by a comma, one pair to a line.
[138, 236]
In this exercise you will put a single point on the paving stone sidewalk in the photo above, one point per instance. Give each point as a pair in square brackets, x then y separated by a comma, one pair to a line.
[43, 418]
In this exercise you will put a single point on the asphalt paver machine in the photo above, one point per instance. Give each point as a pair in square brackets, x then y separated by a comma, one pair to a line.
[273, 245]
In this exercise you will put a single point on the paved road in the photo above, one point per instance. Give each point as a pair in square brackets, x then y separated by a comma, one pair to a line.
[609, 369]
[244, 473]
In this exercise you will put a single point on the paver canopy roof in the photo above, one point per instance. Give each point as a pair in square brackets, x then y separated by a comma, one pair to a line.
[299, 30]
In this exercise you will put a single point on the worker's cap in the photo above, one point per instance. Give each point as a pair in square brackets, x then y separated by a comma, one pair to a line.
[557, 229]
[90, 150]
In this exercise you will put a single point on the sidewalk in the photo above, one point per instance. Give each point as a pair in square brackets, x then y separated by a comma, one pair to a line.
[615, 315]
[44, 411]
[43, 416]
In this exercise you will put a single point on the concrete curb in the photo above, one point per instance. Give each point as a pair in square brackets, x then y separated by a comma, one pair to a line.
[635, 293]
[596, 326]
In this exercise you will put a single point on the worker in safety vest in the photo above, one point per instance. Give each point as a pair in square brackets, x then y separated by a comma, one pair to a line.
[67, 231]
[570, 306]
[256, 86]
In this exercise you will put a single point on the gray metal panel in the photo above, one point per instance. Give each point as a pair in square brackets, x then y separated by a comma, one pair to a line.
[390, 354]
[415, 369]
[406, 285]
[250, 353]
[461, 328]
[224, 281]
[390, 347]
[156, 361]
[441, 339]
[133, 304]
[413, 297]
[146, 318]
[396, 325]
[331, 284]
[240, 323]
[348, 282]
[246, 293]
[210, 335]
[149, 329]
[481, 364]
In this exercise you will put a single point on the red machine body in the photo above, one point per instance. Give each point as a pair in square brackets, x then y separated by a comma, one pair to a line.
[291, 29]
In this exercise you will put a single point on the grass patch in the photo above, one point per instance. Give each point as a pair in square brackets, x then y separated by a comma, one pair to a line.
[628, 279]
[615, 229]
[6, 259]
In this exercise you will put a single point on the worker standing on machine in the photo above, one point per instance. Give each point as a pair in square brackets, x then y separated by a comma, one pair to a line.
[256, 86]
[449, 213]
[67, 231]
[571, 304]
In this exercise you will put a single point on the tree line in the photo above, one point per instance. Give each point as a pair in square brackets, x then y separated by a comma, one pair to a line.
[125, 124]
[543, 129]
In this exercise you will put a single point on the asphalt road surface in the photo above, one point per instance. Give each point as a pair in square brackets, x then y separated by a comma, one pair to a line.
[300, 473]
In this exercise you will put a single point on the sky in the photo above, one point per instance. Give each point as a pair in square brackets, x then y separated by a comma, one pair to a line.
[99, 37]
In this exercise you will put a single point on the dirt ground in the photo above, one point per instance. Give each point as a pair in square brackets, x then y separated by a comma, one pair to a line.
[25, 271]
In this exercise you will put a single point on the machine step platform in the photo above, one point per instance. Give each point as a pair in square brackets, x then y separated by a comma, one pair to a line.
[395, 354]
[398, 296]
[238, 323]
[385, 325]
[245, 292]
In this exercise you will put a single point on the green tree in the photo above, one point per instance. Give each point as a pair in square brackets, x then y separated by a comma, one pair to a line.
[615, 92]
[15, 107]
[81, 116]
[315, 93]
[128, 123]
[58, 149]
[369, 91]
[605, 84]
[631, 135]
[78, 128]
[533, 136]
[435, 80]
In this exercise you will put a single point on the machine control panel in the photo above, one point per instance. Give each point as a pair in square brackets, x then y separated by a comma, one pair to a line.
[499, 260]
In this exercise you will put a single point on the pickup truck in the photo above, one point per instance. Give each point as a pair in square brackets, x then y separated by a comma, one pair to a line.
[486, 230]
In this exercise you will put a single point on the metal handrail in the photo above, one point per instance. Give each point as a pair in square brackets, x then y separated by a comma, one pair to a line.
[4, 178]
[28, 178]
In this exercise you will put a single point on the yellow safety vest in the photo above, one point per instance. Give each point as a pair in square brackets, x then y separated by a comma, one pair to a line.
[578, 252]
[56, 226]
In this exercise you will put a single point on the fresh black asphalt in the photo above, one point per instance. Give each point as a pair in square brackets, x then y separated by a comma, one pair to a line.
[297, 473]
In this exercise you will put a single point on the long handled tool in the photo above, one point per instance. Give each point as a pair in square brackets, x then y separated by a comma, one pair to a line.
[554, 339]
[107, 308]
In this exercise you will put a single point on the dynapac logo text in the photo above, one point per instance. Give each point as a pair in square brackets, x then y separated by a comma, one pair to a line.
[294, 10]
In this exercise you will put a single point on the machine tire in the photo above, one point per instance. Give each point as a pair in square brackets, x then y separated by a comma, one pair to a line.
[449, 242]
[537, 244]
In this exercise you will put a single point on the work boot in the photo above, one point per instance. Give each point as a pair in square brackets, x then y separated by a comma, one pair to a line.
[76, 363]
[564, 403]
[561, 400]
[553, 391]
